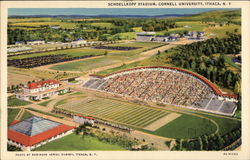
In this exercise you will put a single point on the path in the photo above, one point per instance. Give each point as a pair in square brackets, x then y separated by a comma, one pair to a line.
[20, 114]
[70, 123]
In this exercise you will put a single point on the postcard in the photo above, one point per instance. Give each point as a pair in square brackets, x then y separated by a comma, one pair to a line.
[124, 80]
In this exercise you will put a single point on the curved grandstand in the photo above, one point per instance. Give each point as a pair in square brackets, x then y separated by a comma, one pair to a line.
[167, 85]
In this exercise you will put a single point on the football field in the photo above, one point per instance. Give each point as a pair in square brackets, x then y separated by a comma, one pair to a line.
[116, 111]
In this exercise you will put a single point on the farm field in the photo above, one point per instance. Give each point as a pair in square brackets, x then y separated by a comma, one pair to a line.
[15, 20]
[69, 52]
[75, 142]
[64, 25]
[102, 25]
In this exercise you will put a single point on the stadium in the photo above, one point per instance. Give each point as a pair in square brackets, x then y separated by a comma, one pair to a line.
[166, 85]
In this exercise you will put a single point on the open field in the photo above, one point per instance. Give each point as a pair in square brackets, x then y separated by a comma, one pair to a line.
[192, 26]
[220, 32]
[85, 65]
[69, 52]
[15, 78]
[113, 57]
[20, 75]
[186, 126]
[15, 20]
[17, 102]
[102, 25]
[41, 24]
[12, 114]
[75, 142]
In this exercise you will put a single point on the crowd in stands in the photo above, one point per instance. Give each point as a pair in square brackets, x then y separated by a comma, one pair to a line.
[171, 87]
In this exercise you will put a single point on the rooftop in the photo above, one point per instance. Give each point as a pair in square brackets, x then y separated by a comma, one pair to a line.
[34, 130]
[39, 84]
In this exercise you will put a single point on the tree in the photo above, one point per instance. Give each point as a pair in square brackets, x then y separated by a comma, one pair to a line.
[105, 53]
[237, 87]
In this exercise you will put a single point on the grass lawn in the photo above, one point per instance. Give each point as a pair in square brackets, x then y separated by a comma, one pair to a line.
[75, 142]
[12, 114]
[26, 115]
[76, 93]
[186, 126]
[225, 125]
[74, 81]
[126, 35]
[69, 52]
[85, 65]
[45, 103]
[229, 61]
[237, 114]
[153, 61]
[46, 113]
[17, 102]
[113, 57]
[220, 32]
[113, 110]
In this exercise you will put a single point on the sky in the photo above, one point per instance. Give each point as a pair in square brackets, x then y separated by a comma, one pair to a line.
[106, 11]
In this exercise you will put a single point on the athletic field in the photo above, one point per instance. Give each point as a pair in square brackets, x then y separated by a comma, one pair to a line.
[152, 120]
[116, 111]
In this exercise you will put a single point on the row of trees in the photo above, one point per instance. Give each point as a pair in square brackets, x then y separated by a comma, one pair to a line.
[208, 142]
[199, 58]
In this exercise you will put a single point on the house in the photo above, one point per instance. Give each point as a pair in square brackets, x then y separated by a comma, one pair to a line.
[79, 41]
[35, 42]
[41, 89]
[35, 131]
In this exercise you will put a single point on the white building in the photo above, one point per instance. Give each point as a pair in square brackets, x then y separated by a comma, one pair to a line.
[41, 89]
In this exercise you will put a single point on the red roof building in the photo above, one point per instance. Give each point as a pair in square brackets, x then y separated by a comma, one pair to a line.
[41, 89]
[39, 84]
[35, 131]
